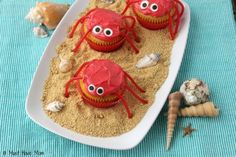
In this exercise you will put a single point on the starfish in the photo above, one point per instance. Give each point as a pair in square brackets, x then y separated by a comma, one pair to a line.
[188, 130]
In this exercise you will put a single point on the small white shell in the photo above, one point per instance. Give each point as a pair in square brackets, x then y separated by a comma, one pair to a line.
[40, 32]
[55, 106]
[65, 65]
[34, 16]
[148, 60]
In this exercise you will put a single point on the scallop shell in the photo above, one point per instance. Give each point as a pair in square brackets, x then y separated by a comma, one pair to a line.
[55, 106]
[148, 60]
[40, 32]
[47, 13]
[174, 103]
[207, 109]
[65, 65]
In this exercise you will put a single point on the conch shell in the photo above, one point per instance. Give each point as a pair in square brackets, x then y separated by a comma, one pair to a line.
[55, 106]
[174, 103]
[65, 65]
[207, 109]
[47, 13]
[148, 60]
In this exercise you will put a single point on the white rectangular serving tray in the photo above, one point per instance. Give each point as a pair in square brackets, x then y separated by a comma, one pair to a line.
[125, 141]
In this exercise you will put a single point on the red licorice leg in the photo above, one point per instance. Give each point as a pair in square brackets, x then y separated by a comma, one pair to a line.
[80, 42]
[75, 27]
[131, 28]
[68, 85]
[128, 5]
[125, 105]
[181, 6]
[143, 101]
[131, 44]
[134, 83]
[80, 68]
[177, 21]
[81, 20]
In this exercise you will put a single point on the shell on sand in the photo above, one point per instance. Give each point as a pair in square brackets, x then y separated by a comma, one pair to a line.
[47, 13]
[55, 106]
[65, 65]
[174, 103]
[148, 60]
[207, 109]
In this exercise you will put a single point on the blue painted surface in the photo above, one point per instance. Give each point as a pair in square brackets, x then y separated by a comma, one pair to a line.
[210, 55]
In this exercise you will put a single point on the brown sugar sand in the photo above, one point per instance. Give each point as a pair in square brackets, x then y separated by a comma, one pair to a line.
[104, 122]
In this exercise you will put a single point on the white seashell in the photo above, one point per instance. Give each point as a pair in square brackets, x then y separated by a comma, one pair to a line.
[40, 32]
[65, 65]
[55, 106]
[148, 60]
[34, 16]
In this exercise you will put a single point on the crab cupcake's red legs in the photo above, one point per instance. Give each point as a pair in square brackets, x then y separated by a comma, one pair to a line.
[143, 101]
[79, 70]
[80, 41]
[134, 83]
[131, 28]
[131, 43]
[68, 85]
[81, 20]
[128, 5]
[125, 105]
[174, 32]
[181, 7]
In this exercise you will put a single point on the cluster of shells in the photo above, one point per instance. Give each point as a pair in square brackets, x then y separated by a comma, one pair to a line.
[196, 96]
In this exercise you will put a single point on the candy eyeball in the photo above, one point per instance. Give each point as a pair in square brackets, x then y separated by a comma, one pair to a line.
[97, 29]
[91, 88]
[194, 92]
[154, 7]
[108, 32]
[144, 4]
[100, 91]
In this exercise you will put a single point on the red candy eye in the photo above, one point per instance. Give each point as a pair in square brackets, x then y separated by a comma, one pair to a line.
[154, 7]
[97, 29]
[100, 91]
[91, 88]
[108, 32]
[144, 4]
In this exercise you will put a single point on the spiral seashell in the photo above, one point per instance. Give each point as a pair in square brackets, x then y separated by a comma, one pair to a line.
[40, 32]
[148, 60]
[174, 103]
[55, 106]
[47, 13]
[207, 109]
[65, 65]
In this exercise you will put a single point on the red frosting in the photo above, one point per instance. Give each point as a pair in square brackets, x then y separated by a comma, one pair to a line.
[105, 74]
[105, 19]
[164, 7]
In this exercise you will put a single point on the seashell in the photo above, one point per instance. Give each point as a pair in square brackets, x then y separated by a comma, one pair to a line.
[207, 109]
[195, 92]
[148, 60]
[47, 13]
[40, 32]
[55, 106]
[174, 103]
[108, 1]
[65, 65]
